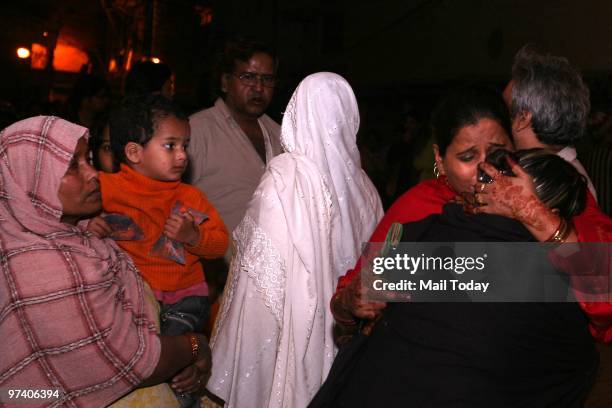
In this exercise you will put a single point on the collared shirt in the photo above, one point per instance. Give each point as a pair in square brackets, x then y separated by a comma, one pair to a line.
[569, 154]
[224, 163]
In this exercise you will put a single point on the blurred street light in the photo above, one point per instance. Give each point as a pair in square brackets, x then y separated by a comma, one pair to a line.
[23, 53]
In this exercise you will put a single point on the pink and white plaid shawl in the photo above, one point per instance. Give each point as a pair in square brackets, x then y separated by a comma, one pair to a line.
[72, 311]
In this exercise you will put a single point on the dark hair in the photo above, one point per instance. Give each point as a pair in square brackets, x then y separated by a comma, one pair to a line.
[465, 107]
[238, 48]
[558, 184]
[553, 92]
[136, 119]
[85, 87]
[146, 77]
[96, 139]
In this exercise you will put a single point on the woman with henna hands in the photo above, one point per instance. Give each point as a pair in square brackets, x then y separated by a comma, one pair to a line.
[457, 160]
[473, 354]
[502, 354]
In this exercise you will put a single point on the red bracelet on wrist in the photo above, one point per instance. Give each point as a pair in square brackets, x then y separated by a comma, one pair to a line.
[195, 345]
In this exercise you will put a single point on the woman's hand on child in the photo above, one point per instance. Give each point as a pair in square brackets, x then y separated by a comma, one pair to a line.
[193, 378]
[515, 197]
[188, 380]
[182, 228]
[99, 227]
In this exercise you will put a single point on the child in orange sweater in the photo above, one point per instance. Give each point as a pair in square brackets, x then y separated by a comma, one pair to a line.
[149, 138]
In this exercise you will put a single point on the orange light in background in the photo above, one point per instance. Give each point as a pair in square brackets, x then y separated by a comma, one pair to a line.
[206, 15]
[112, 65]
[40, 56]
[155, 60]
[23, 53]
[69, 58]
[128, 60]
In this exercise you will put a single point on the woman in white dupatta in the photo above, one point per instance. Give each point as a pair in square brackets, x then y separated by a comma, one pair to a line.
[305, 226]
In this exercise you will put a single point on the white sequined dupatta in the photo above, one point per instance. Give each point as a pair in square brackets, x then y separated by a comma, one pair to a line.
[272, 344]
[304, 227]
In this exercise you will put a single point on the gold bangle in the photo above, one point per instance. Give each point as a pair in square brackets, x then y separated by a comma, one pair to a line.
[195, 345]
[561, 234]
[568, 230]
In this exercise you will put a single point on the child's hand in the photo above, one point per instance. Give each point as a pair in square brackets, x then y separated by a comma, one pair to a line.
[99, 227]
[182, 228]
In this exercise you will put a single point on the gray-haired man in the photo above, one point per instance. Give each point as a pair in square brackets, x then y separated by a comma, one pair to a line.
[549, 105]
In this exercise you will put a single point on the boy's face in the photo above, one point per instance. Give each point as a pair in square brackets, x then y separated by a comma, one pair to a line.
[164, 157]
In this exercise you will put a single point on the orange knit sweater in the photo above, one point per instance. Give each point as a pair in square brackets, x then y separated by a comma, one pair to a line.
[149, 202]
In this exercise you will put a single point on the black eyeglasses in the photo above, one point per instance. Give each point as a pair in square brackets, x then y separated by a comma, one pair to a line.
[251, 79]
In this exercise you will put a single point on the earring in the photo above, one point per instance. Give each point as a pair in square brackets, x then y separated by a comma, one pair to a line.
[436, 172]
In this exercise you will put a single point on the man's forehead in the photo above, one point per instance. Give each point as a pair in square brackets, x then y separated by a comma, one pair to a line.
[259, 63]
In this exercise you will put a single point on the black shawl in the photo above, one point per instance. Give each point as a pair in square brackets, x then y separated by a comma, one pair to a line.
[474, 354]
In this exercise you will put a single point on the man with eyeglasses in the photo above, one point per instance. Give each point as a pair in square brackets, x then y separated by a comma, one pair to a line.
[232, 141]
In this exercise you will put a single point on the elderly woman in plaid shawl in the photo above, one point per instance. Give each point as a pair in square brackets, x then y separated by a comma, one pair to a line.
[74, 314]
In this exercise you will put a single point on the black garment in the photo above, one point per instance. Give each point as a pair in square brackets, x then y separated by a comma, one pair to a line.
[190, 314]
[474, 354]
